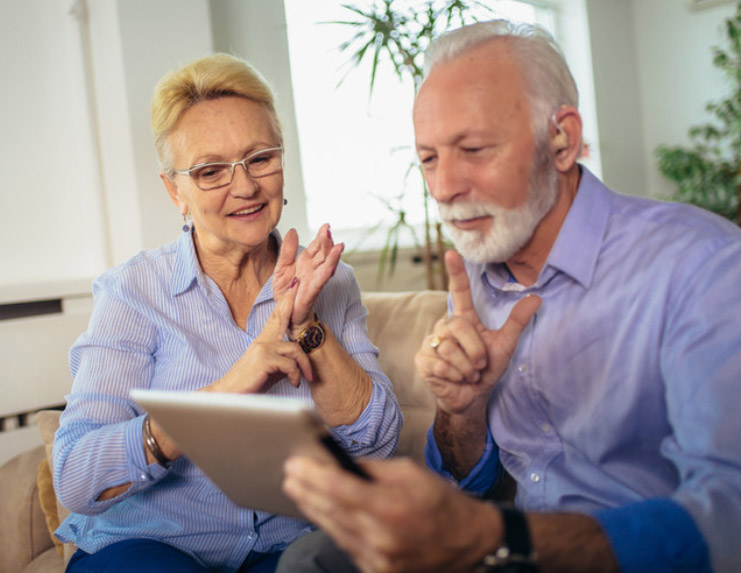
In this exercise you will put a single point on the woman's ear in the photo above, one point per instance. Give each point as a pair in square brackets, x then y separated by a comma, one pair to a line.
[174, 193]
[565, 137]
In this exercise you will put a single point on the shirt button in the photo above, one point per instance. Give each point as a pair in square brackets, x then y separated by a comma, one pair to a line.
[547, 428]
[535, 478]
[143, 477]
[522, 368]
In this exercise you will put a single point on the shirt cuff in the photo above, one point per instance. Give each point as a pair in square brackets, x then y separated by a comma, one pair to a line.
[481, 477]
[655, 535]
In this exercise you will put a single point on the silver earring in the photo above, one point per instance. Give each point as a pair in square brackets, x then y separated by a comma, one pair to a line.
[186, 224]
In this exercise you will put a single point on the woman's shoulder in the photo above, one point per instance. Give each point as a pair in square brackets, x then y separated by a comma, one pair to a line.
[147, 269]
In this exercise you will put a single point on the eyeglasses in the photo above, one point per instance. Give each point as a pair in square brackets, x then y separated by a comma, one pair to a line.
[209, 176]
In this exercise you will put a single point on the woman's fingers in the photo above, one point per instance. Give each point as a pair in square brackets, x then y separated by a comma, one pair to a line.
[315, 265]
[280, 318]
[288, 250]
[293, 362]
[285, 266]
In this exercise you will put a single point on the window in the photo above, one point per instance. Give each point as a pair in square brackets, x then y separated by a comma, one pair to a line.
[356, 149]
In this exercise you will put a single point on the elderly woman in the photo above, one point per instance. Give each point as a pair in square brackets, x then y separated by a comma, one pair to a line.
[226, 307]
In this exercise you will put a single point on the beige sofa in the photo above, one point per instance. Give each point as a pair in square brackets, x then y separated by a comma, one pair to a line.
[397, 323]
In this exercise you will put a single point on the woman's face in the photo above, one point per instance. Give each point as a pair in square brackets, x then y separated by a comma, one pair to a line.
[239, 216]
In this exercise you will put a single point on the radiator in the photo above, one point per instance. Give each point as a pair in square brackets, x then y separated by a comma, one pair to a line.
[38, 324]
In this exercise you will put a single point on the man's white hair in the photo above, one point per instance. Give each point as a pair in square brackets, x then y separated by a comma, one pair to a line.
[547, 76]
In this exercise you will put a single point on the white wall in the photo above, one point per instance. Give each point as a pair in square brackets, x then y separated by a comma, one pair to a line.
[49, 203]
[675, 73]
[653, 75]
[617, 94]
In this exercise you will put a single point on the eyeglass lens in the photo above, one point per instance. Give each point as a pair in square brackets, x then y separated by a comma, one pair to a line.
[260, 164]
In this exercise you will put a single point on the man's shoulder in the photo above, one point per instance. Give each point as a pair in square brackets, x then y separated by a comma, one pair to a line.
[675, 226]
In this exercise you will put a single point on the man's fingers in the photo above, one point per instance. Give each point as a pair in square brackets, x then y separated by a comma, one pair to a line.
[520, 316]
[459, 287]
[317, 483]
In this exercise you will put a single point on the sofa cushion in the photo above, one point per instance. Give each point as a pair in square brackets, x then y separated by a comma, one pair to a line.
[397, 325]
[48, 501]
[48, 422]
[22, 528]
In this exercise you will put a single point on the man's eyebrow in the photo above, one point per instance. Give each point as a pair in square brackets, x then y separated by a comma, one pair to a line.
[456, 139]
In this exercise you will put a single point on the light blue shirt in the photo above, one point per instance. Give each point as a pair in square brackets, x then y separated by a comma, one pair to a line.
[160, 322]
[622, 398]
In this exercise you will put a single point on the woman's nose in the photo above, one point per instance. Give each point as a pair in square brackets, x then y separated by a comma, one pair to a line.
[242, 184]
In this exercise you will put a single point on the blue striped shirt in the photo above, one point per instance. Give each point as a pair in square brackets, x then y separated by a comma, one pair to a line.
[621, 399]
[159, 322]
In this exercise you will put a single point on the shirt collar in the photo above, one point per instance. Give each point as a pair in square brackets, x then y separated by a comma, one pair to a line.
[577, 247]
[579, 241]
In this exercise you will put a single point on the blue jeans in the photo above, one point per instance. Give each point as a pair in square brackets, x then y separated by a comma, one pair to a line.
[150, 556]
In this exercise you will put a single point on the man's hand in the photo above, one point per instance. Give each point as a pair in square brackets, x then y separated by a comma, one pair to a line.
[462, 360]
[407, 519]
[410, 520]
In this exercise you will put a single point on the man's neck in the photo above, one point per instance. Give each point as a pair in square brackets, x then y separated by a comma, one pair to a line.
[526, 264]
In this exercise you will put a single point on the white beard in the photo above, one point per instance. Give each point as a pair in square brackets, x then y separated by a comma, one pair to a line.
[510, 229]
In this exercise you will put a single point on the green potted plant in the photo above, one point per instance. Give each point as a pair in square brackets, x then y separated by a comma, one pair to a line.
[398, 34]
[708, 173]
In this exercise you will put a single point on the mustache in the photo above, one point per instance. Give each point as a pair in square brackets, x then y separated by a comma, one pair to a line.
[467, 210]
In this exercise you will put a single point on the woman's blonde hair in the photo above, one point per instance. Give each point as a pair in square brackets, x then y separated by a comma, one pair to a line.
[209, 78]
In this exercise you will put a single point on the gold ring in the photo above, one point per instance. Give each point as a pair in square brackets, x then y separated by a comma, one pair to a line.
[435, 342]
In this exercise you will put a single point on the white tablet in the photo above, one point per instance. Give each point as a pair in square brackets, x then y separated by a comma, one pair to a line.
[240, 441]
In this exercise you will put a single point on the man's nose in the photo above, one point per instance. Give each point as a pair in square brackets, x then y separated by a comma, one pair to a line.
[449, 180]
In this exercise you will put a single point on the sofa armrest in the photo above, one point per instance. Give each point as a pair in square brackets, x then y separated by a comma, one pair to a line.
[23, 527]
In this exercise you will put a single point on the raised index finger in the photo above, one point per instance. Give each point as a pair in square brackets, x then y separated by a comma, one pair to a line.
[459, 287]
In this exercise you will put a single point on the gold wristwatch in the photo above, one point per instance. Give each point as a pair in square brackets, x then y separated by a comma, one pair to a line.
[312, 336]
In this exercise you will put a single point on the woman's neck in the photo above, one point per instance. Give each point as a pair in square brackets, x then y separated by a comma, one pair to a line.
[235, 268]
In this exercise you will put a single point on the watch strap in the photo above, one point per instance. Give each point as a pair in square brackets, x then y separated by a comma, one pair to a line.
[516, 554]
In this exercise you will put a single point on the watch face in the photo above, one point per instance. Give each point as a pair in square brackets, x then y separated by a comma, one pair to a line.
[312, 337]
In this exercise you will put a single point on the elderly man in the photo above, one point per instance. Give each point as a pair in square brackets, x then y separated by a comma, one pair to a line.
[592, 351]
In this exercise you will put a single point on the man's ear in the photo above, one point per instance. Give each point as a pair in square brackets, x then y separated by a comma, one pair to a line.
[565, 137]
[172, 191]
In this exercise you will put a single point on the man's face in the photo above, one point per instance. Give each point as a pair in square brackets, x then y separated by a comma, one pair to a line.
[478, 153]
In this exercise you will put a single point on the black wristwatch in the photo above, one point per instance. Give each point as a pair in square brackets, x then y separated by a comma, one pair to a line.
[516, 555]
[311, 337]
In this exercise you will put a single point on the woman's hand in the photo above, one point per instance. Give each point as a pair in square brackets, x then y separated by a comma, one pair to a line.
[270, 357]
[313, 268]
